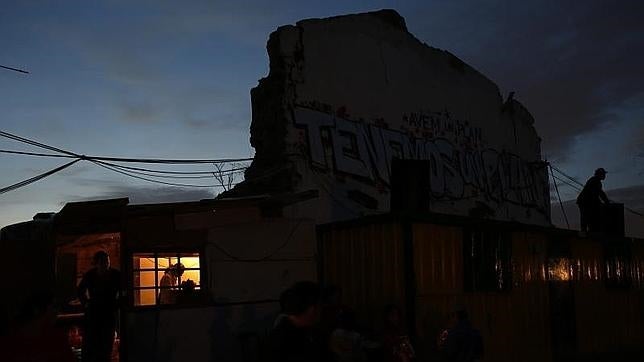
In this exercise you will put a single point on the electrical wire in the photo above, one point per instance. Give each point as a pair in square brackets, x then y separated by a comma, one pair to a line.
[143, 170]
[36, 178]
[121, 159]
[34, 154]
[559, 196]
[567, 176]
[264, 258]
[168, 161]
[573, 186]
[232, 170]
[36, 144]
[121, 169]
[126, 173]
[14, 69]
[150, 173]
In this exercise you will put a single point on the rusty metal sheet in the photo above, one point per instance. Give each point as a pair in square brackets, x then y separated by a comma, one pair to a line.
[438, 259]
[366, 262]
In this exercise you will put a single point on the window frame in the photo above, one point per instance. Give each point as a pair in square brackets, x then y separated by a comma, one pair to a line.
[203, 289]
[474, 276]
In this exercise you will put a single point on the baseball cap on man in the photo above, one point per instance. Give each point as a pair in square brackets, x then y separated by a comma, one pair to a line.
[600, 171]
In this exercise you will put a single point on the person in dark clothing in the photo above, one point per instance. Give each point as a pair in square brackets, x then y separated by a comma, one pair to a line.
[395, 343]
[294, 338]
[99, 291]
[590, 202]
[462, 342]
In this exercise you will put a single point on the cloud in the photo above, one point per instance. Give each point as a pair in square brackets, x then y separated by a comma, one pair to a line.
[148, 194]
[569, 63]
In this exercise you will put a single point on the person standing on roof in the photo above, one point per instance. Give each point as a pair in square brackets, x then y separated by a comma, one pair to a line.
[590, 202]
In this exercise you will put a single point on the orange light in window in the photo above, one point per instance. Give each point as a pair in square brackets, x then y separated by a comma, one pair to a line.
[559, 269]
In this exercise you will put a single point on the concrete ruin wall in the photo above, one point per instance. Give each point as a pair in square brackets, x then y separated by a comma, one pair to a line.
[346, 95]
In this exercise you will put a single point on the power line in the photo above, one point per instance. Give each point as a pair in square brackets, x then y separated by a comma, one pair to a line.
[559, 196]
[232, 170]
[126, 173]
[168, 161]
[104, 162]
[567, 176]
[34, 154]
[155, 173]
[209, 173]
[573, 186]
[14, 69]
[36, 178]
[35, 143]
[121, 159]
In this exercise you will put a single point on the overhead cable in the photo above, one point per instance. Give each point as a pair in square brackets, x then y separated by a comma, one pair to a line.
[35, 154]
[121, 159]
[36, 178]
[126, 173]
[14, 69]
[554, 181]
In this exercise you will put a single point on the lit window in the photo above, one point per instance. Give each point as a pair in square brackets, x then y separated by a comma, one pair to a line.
[164, 278]
[560, 270]
[487, 261]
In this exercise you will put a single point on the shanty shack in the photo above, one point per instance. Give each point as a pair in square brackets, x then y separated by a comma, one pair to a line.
[239, 253]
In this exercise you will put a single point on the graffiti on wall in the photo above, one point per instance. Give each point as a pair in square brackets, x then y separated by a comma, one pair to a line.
[441, 124]
[459, 171]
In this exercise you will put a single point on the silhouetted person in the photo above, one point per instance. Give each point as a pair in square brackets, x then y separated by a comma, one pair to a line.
[294, 338]
[330, 310]
[168, 283]
[463, 343]
[590, 202]
[396, 345]
[346, 343]
[35, 338]
[99, 291]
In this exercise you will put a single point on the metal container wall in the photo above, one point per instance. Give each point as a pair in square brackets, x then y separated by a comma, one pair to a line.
[510, 322]
[607, 319]
[366, 262]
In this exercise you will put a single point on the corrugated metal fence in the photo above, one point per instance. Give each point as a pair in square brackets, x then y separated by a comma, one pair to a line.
[367, 261]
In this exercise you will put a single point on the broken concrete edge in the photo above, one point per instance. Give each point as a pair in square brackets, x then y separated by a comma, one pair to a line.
[275, 96]
[388, 16]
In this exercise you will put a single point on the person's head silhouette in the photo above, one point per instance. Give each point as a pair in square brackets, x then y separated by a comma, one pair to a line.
[601, 173]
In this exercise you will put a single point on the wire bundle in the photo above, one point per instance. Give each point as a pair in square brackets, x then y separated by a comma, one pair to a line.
[114, 164]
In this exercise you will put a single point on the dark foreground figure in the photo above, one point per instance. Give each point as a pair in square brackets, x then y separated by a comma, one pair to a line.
[396, 345]
[590, 202]
[294, 338]
[98, 291]
[463, 343]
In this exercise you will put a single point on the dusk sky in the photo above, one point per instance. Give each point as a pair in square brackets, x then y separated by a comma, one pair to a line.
[170, 79]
